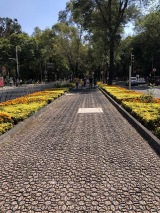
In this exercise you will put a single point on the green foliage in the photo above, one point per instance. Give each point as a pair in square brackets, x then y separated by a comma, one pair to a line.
[9, 26]
[146, 44]
[67, 85]
[5, 117]
[104, 19]
[149, 96]
[146, 98]
[69, 46]
[85, 40]
[4, 127]
[158, 132]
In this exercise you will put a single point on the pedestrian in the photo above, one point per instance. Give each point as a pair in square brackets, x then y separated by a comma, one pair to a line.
[17, 82]
[90, 81]
[95, 82]
[20, 81]
[77, 82]
[84, 80]
[81, 83]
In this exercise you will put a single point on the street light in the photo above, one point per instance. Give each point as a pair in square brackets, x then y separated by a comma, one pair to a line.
[154, 70]
[131, 69]
[16, 59]
[132, 61]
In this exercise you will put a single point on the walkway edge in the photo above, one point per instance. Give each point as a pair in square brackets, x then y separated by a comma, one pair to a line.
[143, 131]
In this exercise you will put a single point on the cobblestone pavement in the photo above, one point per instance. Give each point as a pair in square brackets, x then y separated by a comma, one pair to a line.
[69, 162]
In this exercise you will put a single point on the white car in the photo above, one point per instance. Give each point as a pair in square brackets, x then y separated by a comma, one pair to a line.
[142, 81]
[134, 81]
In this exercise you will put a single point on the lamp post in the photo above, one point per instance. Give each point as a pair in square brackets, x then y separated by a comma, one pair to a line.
[131, 69]
[132, 61]
[102, 75]
[154, 71]
[16, 59]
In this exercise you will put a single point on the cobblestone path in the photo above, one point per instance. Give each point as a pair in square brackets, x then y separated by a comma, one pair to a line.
[65, 161]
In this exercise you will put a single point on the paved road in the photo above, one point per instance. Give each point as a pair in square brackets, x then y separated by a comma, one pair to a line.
[144, 88]
[66, 161]
[9, 93]
[148, 90]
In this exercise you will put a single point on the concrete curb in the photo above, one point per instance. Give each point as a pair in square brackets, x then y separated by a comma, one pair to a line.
[143, 131]
[21, 125]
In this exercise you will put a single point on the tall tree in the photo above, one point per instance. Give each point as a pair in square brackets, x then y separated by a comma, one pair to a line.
[67, 45]
[146, 43]
[9, 26]
[112, 14]
[66, 17]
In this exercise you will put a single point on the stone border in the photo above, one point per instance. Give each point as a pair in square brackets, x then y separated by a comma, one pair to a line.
[22, 124]
[143, 131]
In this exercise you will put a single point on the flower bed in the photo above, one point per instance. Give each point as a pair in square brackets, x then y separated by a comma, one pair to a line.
[13, 111]
[144, 108]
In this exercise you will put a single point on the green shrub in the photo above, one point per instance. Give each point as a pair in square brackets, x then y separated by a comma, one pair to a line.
[5, 127]
[4, 118]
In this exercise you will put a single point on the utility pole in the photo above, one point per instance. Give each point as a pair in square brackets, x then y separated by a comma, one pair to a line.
[131, 70]
[16, 59]
[132, 61]
[17, 62]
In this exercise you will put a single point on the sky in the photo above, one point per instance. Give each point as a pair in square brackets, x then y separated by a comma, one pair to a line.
[32, 13]
[36, 13]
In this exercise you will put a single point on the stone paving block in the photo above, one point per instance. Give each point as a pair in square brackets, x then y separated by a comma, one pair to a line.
[66, 161]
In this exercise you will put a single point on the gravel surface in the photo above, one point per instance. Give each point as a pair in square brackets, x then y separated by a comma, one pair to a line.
[65, 161]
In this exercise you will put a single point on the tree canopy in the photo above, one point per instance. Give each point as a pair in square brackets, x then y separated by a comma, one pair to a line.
[86, 40]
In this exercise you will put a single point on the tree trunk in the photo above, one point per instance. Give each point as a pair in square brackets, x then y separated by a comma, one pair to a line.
[111, 62]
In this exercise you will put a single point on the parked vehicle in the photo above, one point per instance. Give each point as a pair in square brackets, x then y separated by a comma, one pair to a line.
[155, 80]
[134, 81]
[1, 82]
[141, 81]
